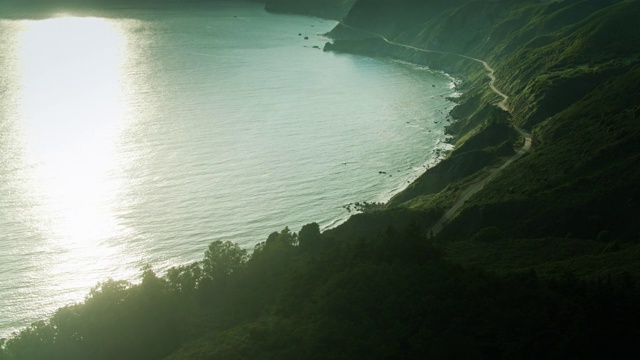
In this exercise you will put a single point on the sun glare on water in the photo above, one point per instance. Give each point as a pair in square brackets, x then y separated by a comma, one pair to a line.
[71, 108]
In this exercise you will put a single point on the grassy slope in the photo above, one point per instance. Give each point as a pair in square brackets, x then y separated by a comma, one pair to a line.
[571, 69]
[581, 177]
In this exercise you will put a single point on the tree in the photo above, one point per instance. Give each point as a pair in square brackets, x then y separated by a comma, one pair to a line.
[284, 237]
[309, 237]
[184, 279]
[222, 259]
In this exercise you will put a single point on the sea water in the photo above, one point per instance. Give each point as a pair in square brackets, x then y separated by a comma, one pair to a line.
[132, 137]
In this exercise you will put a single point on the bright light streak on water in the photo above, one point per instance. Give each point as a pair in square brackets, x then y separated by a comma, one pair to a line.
[67, 122]
[72, 110]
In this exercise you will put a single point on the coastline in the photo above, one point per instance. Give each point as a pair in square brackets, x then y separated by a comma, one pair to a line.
[264, 232]
[440, 152]
[463, 124]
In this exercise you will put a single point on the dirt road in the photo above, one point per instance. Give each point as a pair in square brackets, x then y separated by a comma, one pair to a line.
[471, 190]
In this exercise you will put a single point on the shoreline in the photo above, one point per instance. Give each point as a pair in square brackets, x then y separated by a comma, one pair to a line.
[443, 147]
[383, 192]
[362, 46]
[440, 152]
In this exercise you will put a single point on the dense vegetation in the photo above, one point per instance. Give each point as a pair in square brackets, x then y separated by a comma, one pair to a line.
[305, 296]
[541, 263]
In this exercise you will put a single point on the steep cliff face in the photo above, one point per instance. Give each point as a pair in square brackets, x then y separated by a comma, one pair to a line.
[567, 66]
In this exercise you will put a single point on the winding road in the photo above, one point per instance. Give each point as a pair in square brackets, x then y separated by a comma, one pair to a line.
[474, 188]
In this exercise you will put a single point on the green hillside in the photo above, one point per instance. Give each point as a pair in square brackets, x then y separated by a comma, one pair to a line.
[571, 70]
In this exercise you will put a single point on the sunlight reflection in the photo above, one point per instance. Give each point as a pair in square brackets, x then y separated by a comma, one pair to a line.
[72, 108]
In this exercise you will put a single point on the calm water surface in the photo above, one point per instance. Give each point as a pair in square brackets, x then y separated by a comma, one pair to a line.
[136, 137]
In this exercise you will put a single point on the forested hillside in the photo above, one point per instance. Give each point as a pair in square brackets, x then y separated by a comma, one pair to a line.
[306, 296]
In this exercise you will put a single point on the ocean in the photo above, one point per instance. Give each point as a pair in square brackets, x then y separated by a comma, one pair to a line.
[131, 137]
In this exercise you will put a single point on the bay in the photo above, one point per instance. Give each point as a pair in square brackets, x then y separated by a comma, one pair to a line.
[132, 137]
